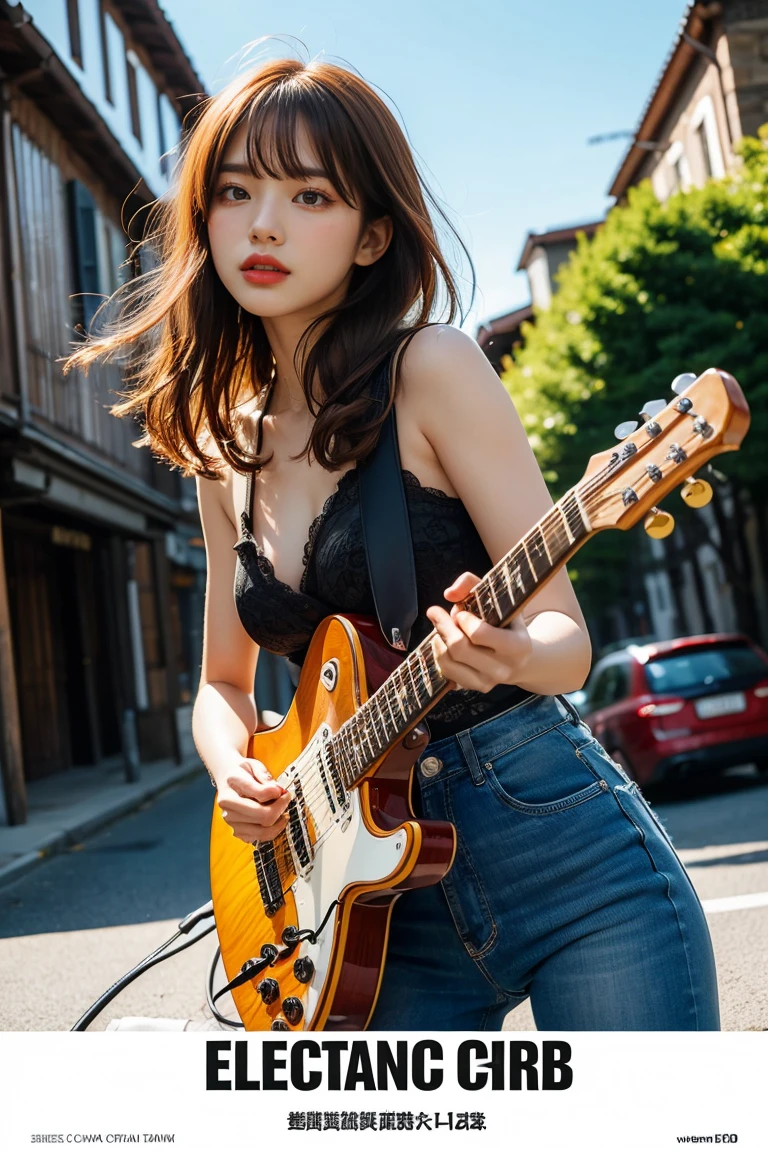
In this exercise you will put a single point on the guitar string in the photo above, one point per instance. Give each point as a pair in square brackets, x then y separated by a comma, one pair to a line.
[559, 537]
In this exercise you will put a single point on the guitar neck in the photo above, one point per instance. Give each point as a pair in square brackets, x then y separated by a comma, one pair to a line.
[417, 684]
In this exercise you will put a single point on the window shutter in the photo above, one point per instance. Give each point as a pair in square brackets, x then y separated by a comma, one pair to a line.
[82, 215]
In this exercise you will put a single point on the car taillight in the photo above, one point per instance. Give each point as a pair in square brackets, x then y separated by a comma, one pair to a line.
[661, 708]
[761, 690]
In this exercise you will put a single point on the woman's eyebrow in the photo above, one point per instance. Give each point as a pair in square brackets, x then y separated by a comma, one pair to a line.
[246, 170]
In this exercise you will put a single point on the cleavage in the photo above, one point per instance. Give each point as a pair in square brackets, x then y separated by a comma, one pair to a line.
[285, 512]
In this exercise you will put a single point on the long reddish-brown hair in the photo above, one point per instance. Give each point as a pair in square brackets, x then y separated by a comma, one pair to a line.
[192, 356]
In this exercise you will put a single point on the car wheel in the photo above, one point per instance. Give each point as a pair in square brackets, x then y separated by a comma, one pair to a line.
[623, 762]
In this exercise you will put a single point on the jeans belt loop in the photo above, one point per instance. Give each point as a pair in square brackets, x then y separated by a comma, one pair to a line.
[470, 756]
[570, 709]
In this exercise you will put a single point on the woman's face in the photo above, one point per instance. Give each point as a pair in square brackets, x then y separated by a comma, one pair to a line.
[286, 247]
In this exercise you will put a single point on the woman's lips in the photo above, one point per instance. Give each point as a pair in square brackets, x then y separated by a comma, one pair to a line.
[264, 275]
[259, 268]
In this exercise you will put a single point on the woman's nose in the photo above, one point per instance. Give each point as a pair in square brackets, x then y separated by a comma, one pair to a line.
[265, 223]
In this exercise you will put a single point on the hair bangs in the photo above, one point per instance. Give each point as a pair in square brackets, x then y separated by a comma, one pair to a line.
[274, 123]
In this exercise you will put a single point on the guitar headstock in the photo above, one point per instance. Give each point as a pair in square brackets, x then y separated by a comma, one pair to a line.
[622, 485]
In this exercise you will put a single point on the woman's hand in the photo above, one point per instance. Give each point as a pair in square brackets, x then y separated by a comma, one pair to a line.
[473, 654]
[251, 801]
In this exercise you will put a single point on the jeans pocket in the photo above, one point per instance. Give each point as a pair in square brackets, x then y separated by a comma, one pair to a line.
[593, 754]
[544, 775]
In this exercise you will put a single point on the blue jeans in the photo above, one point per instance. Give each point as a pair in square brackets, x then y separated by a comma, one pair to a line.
[565, 889]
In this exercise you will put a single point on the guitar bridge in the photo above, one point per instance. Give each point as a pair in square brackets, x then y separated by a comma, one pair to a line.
[268, 876]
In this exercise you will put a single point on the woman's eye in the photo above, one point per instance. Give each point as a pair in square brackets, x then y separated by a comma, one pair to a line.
[313, 198]
[232, 192]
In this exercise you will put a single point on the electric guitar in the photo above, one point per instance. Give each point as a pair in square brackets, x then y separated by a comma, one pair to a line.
[303, 920]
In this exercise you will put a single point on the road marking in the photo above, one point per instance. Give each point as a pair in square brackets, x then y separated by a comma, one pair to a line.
[735, 903]
[721, 851]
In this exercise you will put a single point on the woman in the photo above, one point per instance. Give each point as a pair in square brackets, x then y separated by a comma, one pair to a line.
[296, 255]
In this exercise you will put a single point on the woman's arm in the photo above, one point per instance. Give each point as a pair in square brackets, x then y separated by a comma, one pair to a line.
[224, 715]
[469, 420]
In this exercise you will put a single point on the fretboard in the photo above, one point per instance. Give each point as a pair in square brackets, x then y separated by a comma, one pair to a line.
[417, 683]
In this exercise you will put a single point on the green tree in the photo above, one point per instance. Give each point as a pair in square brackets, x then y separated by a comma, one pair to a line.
[659, 290]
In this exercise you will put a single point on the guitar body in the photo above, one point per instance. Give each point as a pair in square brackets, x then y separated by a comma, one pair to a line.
[366, 851]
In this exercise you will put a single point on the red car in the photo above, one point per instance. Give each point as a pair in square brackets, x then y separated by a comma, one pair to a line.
[695, 704]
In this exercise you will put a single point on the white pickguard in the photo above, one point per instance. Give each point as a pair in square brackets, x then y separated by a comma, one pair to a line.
[345, 857]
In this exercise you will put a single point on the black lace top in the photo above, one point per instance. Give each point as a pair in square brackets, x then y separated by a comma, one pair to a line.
[335, 579]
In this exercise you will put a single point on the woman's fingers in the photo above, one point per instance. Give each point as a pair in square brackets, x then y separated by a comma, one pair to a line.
[253, 803]
[475, 654]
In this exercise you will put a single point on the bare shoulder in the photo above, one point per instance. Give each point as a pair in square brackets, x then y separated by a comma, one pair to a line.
[440, 352]
[225, 493]
[446, 377]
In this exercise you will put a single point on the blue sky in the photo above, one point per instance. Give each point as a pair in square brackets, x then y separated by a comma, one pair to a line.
[498, 98]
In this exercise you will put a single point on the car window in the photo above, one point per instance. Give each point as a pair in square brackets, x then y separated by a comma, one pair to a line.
[702, 667]
[611, 684]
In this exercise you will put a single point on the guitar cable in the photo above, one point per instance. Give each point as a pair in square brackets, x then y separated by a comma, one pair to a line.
[189, 922]
[292, 937]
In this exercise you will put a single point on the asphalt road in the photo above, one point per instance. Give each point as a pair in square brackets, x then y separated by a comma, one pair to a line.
[80, 920]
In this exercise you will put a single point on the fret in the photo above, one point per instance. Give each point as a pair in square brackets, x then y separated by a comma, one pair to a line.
[472, 603]
[485, 599]
[434, 667]
[536, 550]
[571, 538]
[376, 706]
[402, 695]
[426, 678]
[582, 510]
[416, 693]
[571, 513]
[389, 688]
[504, 569]
[522, 573]
[499, 581]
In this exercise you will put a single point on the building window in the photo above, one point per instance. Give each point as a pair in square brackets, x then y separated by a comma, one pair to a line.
[164, 166]
[680, 173]
[82, 219]
[704, 125]
[706, 159]
[105, 53]
[73, 21]
[131, 67]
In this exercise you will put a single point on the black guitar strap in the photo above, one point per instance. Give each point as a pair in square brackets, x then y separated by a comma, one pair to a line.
[386, 529]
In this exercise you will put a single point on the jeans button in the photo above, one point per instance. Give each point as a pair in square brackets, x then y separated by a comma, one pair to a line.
[431, 766]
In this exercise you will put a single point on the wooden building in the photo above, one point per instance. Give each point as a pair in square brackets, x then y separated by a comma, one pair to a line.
[101, 558]
[712, 90]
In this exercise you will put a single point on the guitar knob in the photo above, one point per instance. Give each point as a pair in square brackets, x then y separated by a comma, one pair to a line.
[696, 493]
[294, 1009]
[269, 990]
[279, 1026]
[303, 969]
[659, 524]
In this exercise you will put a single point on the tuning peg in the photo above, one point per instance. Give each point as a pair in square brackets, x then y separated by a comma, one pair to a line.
[696, 493]
[652, 408]
[681, 382]
[621, 431]
[659, 524]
